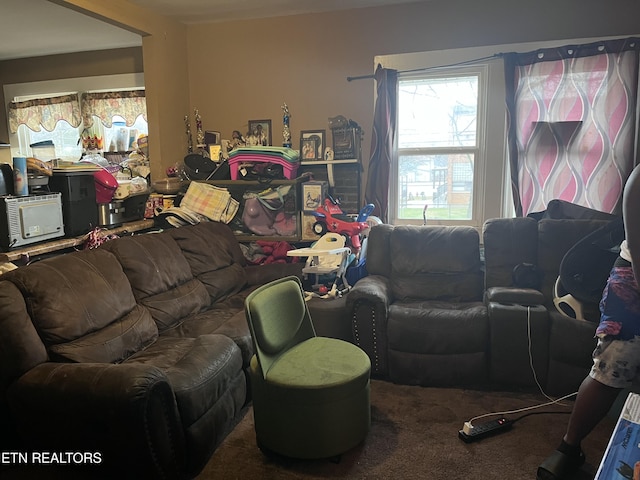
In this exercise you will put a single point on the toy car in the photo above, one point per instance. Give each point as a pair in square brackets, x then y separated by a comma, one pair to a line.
[331, 218]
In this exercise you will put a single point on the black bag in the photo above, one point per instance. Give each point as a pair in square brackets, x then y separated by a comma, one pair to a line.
[526, 275]
[199, 167]
[222, 172]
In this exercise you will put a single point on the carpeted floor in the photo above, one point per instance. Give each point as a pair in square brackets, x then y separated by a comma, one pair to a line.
[414, 435]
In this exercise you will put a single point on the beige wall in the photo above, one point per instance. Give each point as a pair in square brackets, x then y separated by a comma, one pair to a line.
[54, 67]
[237, 71]
[247, 69]
[164, 46]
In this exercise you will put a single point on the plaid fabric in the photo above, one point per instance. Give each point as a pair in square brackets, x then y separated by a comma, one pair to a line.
[215, 203]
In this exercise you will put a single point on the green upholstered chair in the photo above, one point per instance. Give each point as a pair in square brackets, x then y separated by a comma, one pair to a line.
[310, 394]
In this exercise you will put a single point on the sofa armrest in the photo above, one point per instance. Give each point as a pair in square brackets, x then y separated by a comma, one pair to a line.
[368, 305]
[126, 412]
[520, 296]
[261, 274]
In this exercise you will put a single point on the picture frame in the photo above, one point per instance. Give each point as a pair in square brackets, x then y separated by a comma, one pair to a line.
[346, 143]
[259, 133]
[312, 144]
[307, 233]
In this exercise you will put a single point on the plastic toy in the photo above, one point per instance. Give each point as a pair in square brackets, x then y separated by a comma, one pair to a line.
[331, 218]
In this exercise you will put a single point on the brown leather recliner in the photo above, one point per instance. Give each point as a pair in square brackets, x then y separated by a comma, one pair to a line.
[419, 313]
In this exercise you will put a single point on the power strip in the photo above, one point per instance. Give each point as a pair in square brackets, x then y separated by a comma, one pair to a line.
[471, 433]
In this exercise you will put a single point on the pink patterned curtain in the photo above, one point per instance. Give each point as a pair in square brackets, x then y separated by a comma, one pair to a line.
[572, 124]
[383, 142]
[128, 104]
[45, 112]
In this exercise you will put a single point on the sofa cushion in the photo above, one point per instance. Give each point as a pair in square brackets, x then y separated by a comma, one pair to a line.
[83, 302]
[508, 242]
[172, 307]
[113, 343]
[225, 317]
[160, 277]
[436, 263]
[215, 258]
[436, 343]
[378, 258]
[571, 345]
[20, 346]
[438, 327]
[199, 369]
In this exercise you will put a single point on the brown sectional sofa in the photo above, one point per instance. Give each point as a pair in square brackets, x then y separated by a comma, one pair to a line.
[440, 308]
[561, 345]
[136, 350]
[139, 349]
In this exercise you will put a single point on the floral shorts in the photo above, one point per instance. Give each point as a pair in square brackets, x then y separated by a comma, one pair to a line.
[616, 363]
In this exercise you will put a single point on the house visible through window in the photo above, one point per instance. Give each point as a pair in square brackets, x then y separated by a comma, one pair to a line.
[438, 145]
[441, 164]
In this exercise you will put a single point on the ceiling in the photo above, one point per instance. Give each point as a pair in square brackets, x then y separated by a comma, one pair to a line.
[32, 28]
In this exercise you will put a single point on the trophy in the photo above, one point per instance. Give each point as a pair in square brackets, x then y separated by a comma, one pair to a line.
[189, 140]
[286, 133]
[199, 131]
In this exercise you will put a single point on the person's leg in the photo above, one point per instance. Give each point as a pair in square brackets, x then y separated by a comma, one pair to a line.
[615, 364]
[593, 402]
[591, 405]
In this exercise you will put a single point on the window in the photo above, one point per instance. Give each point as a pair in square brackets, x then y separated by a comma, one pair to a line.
[486, 178]
[438, 145]
[64, 136]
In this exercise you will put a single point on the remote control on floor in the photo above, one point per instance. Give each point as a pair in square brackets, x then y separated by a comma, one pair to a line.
[471, 433]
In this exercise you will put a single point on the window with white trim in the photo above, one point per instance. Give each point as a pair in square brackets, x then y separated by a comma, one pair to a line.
[440, 117]
[491, 187]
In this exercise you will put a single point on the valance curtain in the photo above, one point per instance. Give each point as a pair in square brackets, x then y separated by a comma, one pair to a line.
[45, 112]
[383, 142]
[572, 123]
[128, 104]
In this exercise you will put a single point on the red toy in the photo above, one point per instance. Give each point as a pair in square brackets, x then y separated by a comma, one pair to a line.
[331, 218]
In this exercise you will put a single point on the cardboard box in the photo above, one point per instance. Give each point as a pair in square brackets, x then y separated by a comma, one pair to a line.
[313, 194]
[622, 457]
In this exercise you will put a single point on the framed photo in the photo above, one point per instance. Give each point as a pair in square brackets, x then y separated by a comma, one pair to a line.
[312, 143]
[307, 227]
[259, 133]
[346, 143]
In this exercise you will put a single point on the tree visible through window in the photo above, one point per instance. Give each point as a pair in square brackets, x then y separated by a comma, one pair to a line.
[437, 146]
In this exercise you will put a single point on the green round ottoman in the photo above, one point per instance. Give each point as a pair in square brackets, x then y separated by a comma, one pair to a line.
[313, 409]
